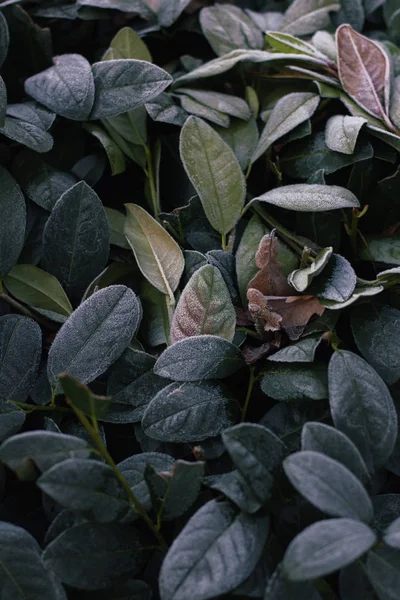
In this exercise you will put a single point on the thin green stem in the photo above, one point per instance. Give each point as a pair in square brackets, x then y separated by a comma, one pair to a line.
[252, 380]
[290, 239]
[139, 508]
[153, 189]
[30, 408]
[223, 241]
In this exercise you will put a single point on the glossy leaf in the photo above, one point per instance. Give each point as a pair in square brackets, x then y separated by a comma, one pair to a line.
[158, 255]
[362, 407]
[106, 323]
[199, 570]
[214, 172]
[205, 307]
[199, 357]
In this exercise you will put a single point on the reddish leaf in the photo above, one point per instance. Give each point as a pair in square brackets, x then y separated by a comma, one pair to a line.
[295, 312]
[269, 280]
[364, 71]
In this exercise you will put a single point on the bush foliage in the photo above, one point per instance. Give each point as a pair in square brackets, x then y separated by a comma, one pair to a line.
[199, 299]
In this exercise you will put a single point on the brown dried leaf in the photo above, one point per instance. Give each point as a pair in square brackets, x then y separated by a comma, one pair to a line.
[269, 280]
[264, 319]
[295, 312]
[364, 71]
[252, 354]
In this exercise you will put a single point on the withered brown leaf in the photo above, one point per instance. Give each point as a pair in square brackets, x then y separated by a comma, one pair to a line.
[269, 280]
[295, 312]
[364, 71]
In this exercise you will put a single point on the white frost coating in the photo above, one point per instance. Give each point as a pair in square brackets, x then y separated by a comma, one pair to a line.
[305, 197]
[341, 133]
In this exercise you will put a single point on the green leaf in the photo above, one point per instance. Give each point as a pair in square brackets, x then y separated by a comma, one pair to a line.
[351, 12]
[284, 42]
[121, 85]
[337, 281]
[323, 438]
[189, 412]
[23, 574]
[392, 534]
[114, 153]
[303, 17]
[288, 113]
[85, 485]
[353, 582]
[127, 44]
[157, 254]
[39, 181]
[116, 224]
[163, 109]
[214, 172]
[39, 289]
[76, 239]
[12, 226]
[241, 137]
[301, 351]
[295, 382]
[304, 157]
[280, 588]
[325, 547]
[229, 28]
[309, 197]
[5, 39]
[362, 407]
[235, 487]
[82, 398]
[205, 307]
[92, 556]
[194, 107]
[376, 330]
[328, 485]
[3, 101]
[300, 279]
[95, 335]
[67, 88]
[44, 448]
[257, 453]
[199, 570]
[364, 71]
[383, 570]
[20, 350]
[341, 133]
[27, 134]
[183, 488]
[382, 249]
[11, 419]
[199, 357]
[224, 103]
[170, 10]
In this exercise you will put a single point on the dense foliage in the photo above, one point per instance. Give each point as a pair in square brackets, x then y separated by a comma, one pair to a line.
[199, 299]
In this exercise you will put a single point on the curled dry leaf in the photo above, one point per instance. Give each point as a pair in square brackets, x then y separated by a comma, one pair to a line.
[364, 71]
[269, 280]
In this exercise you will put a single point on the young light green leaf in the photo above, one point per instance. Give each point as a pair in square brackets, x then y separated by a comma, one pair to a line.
[20, 350]
[199, 357]
[12, 226]
[309, 197]
[39, 289]
[214, 172]
[256, 452]
[295, 382]
[23, 572]
[364, 71]
[284, 42]
[95, 335]
[87, 485]
[116, 224]
[320, 437]
[288, 113]
[125, 84]
[229, 28]
[79, 396]
[189, 412]
[303, 17]
[76, 239]
[199, 570]
[157, 254]
[328, 485]
[67, 88]
[301, 278]
[127, 44]
[325, 547]
[341, 133]
[114, 153]
[376, 330]
[205, 307]
[362, 407]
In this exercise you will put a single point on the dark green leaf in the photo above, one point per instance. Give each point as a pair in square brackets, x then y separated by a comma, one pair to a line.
[133, 469]
[12, 226]
[295, 382]
[383, 570]
[229, 28]
[280, 588]
[337, 281]
[328, 485]
[187, 412]
[82, 398]
[200, 570]
[362, 407]
[199, 357]
[306, 16]
[301, 351]
[11, 419]
[95, 335]
[325, 547]
[183, 487]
